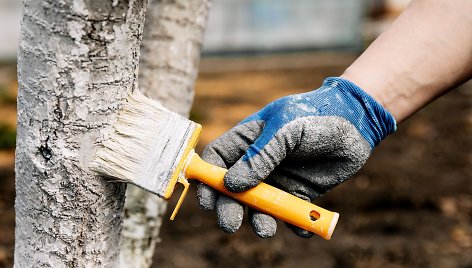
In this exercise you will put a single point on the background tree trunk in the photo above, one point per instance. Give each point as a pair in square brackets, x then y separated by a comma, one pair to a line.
[76, 62]
[170, 54]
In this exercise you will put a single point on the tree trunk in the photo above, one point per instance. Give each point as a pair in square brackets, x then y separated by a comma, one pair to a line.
[170, 54]
[76, 62]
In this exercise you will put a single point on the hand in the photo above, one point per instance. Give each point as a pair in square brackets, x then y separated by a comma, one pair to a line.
[304, 144]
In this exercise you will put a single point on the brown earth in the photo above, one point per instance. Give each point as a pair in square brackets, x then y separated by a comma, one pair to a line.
[410, 206]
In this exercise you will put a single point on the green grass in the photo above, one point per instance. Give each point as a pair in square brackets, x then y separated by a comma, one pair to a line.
[7, 137]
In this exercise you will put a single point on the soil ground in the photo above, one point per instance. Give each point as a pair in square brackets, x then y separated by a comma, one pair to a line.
[409, 206]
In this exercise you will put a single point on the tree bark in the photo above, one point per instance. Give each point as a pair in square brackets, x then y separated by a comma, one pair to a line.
[170, 54]
[76, 62]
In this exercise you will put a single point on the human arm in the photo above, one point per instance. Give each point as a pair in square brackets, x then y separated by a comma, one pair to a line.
[426, 52]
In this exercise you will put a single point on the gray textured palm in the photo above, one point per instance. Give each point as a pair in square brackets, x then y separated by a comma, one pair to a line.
[307, 157]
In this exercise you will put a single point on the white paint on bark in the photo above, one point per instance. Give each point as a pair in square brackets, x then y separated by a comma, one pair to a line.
[170, 54]
[76, 62]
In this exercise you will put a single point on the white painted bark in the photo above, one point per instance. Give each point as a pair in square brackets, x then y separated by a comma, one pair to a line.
[76, 62]
[173, 37]
[170, 54]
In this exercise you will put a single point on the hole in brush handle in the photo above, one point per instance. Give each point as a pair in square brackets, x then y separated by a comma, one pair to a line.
[314, 215]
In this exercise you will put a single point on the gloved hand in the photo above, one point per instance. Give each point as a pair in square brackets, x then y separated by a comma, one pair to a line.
[304, 144]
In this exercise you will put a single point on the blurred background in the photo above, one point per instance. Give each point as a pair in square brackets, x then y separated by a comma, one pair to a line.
[410, 206]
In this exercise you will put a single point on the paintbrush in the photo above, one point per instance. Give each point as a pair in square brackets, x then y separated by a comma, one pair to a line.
[153, 148]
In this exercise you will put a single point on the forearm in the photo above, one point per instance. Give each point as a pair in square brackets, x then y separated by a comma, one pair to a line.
[427, 51]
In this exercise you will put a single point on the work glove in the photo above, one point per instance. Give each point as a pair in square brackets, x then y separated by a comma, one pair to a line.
[304, 144]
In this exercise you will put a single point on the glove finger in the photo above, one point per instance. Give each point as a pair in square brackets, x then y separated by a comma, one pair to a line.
[229, 214]
[260, 159]
[231, 146]
[224, 152]
[206, 197]
[299, 231]
[264, 225]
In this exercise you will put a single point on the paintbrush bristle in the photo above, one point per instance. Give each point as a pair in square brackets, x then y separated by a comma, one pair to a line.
[145, 146]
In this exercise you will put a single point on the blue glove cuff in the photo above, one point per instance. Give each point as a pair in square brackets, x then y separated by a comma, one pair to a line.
[376, 124]
[336, 97]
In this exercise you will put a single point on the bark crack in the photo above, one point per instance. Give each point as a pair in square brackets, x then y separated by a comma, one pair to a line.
[45, 150]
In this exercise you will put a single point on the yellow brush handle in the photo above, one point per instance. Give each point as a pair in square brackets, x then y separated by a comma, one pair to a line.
[268, 199]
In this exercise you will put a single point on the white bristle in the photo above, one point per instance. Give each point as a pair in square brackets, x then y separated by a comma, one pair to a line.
[146, 144]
